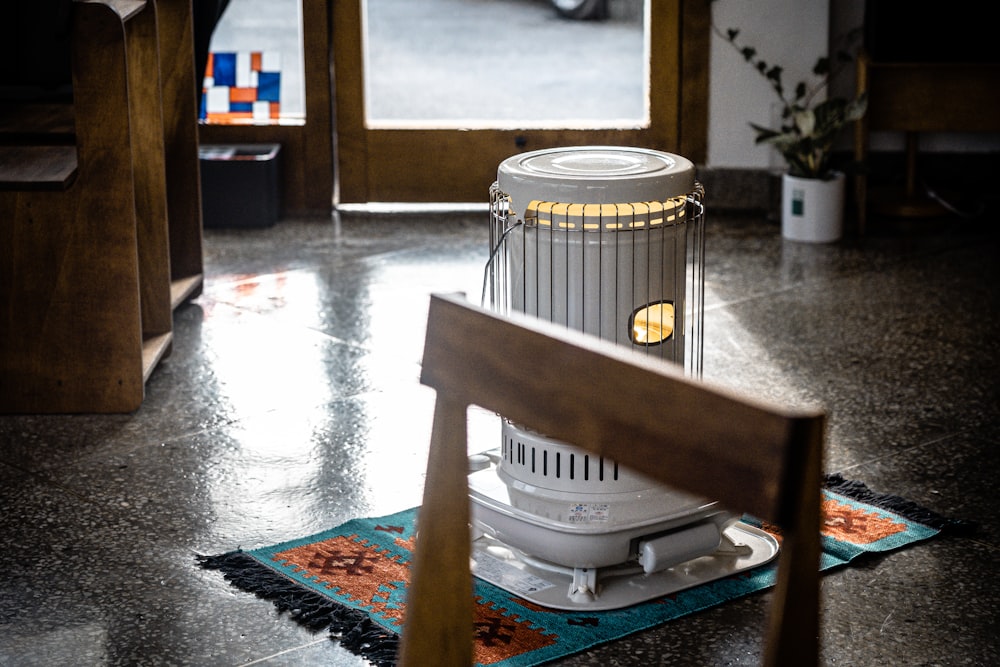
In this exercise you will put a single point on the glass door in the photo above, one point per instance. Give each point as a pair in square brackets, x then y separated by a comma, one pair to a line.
[270, 83]
[432, 95]
[254, 74]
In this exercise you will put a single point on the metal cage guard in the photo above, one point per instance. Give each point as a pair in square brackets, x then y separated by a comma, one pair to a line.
[593, 267]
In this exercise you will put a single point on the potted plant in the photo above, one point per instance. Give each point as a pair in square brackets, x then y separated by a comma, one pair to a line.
[812, 190]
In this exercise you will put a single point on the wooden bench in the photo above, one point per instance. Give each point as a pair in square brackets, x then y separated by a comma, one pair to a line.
[48, 121]
[87, 288]
[914, 98]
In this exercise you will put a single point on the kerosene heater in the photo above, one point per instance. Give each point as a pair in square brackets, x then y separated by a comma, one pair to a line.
[609, 242]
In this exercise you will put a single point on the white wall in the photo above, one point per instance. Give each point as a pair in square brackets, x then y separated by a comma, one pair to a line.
[792, 33]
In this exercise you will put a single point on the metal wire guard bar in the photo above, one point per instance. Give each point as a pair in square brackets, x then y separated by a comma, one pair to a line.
[617, 224]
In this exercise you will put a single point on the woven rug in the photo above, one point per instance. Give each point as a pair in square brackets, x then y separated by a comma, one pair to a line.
[351, 581]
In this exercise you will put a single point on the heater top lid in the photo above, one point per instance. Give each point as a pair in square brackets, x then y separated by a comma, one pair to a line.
[594, 175]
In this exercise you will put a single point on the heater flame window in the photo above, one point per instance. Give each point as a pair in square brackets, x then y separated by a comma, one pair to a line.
[652, 324]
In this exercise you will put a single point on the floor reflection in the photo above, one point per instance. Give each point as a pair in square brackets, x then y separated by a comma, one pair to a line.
[291, 403]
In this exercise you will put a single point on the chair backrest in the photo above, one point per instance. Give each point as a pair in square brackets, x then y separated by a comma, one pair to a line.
[643, 413]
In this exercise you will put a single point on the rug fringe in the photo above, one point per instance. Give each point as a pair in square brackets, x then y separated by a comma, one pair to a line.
[352, 628]
[856, 490]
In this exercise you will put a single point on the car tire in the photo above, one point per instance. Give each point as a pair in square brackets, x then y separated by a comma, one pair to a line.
[581, 9]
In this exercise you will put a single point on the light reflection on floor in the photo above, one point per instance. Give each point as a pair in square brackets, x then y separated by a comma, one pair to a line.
[291, 402]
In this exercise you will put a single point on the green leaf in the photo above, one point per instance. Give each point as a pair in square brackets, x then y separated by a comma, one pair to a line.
[764, 134]
[805, 122]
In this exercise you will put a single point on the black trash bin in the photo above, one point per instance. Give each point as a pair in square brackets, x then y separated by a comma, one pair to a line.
[239, 184]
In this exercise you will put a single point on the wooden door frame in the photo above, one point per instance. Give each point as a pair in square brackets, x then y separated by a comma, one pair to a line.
[395, 165]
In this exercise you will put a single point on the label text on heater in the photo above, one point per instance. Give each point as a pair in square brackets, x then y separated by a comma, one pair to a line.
[589, 513]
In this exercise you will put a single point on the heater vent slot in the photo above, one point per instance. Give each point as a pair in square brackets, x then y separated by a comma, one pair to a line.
[541, 462]
[536, 460]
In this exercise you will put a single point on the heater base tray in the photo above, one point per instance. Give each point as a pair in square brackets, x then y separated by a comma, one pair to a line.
[621, 585]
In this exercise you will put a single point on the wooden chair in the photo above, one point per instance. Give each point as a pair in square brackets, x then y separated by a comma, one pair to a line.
[750, 456]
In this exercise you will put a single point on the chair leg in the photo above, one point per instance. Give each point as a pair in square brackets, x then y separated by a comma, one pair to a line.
[793, 634]
[439, 613]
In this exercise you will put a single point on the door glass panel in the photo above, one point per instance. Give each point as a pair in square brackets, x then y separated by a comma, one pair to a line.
[255, 73]
[499, 63]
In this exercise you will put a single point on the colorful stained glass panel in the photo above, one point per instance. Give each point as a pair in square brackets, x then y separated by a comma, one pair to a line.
[242, 87]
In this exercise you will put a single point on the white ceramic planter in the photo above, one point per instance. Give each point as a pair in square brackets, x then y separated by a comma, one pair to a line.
[812, 210]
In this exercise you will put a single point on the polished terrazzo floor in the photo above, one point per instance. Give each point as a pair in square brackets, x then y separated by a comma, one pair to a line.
[291, 403]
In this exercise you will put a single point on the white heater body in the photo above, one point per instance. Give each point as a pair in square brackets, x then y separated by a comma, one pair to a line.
[609, 242]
